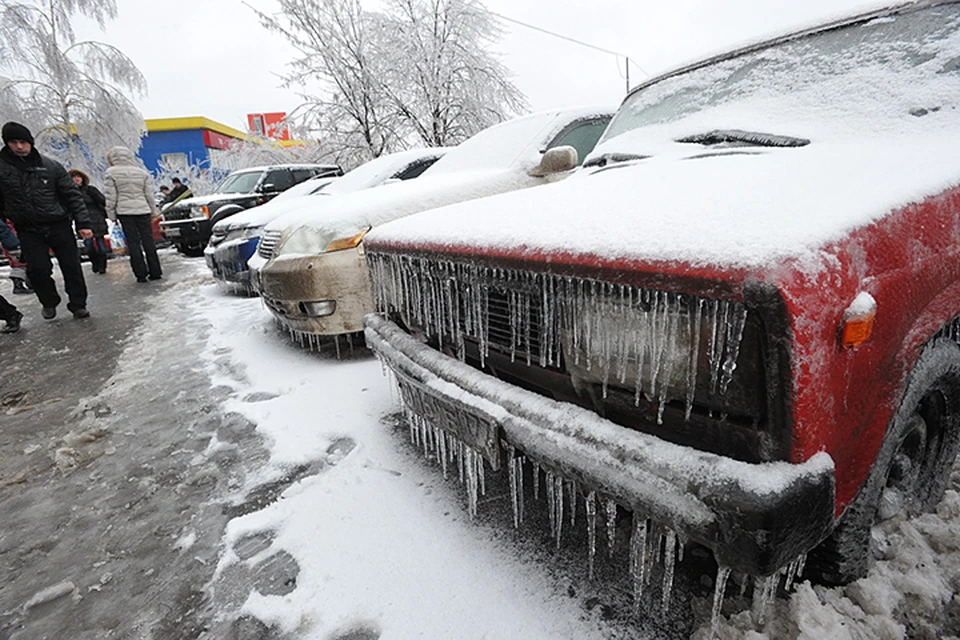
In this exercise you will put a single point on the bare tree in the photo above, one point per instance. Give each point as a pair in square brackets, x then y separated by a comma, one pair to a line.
[376, 82]
[74, 94]
[446, 84]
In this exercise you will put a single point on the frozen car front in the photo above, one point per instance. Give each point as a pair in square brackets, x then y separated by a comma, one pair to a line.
[667, 330]
[234, 240]
[312, 273]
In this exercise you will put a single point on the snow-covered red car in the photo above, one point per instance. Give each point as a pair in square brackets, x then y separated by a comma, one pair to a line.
[739, 320]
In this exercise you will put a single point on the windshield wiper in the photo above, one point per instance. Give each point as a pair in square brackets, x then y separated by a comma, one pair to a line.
[737, 137]
[612, 158]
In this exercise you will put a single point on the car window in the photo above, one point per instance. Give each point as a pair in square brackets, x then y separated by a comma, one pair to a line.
[281, 179]
[244, 182]
[299, 175]
[414, 169]
[582, 136]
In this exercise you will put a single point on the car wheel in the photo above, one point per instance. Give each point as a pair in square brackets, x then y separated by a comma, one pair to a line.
[191, 251]
[910, 473]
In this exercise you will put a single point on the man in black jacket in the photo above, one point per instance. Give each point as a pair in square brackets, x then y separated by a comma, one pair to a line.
[41, 200]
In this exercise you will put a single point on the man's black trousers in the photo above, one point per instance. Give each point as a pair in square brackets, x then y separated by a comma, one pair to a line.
[36, 243]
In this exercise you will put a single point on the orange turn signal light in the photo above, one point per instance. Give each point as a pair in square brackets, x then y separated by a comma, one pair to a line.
[205, 210]
[858, 321]
[347, 243]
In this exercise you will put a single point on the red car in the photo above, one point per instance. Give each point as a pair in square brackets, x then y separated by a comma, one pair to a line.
[740, 320]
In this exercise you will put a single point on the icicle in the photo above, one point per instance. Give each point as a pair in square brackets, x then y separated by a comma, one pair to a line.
[723, 573]
[551, 503]
[519, 461]
[669, 560]
[611, 508]
[638, 558]
[764, 591]
[573, 491]
[732, 351]
[481, 475]
[536, 480]
[590, 506]
[443, 453]
[558, 496]
[514, 492]
[472, 481]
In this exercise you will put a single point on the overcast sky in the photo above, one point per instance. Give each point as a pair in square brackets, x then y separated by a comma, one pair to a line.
[212, 58]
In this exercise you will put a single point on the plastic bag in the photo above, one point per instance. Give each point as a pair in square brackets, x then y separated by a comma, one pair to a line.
[118, 241]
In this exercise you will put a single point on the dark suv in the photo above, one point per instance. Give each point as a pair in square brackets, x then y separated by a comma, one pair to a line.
[188, 223]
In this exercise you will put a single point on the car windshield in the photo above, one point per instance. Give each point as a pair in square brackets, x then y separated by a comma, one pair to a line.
[244, 182]
[896, 73]
[369, 174]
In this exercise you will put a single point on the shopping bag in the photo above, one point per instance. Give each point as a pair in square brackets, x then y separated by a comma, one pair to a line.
[117, 240]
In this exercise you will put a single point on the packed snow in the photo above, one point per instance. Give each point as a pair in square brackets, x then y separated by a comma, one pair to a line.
[384, 544]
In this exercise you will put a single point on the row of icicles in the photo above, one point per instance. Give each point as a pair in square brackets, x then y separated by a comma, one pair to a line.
[652, 545]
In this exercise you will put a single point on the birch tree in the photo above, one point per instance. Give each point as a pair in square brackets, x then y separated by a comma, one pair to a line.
[419, 72]
[69, 90]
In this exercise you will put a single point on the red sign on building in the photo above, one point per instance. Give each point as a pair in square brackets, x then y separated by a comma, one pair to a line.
[269, 125]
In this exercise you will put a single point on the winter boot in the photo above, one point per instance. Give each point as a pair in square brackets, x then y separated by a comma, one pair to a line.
[20, 286]
[13, 323]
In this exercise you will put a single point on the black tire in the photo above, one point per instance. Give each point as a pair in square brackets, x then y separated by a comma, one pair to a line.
[912, 467]
[191, 251]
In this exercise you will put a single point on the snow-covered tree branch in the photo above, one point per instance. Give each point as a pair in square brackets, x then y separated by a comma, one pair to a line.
[419, 72]
[73, 95]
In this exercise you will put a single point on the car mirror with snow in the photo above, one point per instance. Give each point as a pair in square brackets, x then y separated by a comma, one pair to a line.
[556, 160]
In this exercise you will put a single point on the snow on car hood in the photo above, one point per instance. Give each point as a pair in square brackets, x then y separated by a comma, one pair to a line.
[742, 207]
[354, 212]
[259, 216]
[198, 201]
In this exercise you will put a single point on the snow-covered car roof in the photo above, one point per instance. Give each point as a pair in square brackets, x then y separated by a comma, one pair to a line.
[744, 161]
[370, 174]
[494, 160]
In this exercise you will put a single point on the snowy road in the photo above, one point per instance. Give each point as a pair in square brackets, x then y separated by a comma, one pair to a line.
[177, 468]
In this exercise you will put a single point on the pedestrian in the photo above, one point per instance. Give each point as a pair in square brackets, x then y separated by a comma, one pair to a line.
[130, 199]
[97, 209]
[38, 196]
[179, 191]
[8, 313]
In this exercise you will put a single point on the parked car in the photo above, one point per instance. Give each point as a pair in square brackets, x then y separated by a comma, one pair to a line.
[187, 223]
[311, 271]
[235, 239]
[740, 319]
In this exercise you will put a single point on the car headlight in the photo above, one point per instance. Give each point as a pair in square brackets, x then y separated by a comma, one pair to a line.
[197, 211]
[313, 241]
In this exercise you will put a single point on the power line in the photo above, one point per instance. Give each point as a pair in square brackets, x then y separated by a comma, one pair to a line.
[575, 41]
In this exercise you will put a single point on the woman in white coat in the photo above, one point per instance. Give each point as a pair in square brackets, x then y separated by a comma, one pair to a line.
[129, 192]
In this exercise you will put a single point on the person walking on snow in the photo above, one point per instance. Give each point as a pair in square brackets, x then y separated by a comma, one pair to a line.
[96, 207]
[40, 199]
[8, 312]
[130, 199]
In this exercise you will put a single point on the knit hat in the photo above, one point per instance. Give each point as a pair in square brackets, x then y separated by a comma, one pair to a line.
[16, 131]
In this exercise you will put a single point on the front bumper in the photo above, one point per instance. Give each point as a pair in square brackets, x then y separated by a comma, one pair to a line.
[228, 260]
[755, 518]
[289, 286]
[190, 232]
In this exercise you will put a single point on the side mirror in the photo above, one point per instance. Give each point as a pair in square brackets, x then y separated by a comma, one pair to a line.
[267, 188]
[556, 160]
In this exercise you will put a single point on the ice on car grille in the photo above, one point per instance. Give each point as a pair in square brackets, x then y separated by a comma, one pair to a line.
[663, 345]
[268, 243]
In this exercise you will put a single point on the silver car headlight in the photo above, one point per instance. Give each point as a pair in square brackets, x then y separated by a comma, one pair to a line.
[244, 234]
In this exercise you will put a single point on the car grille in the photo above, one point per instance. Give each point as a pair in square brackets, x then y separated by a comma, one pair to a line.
[176, 213]
[649, 356]
[268, 243]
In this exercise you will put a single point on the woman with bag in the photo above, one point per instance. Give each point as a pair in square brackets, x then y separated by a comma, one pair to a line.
[96, 208]
[130, 199]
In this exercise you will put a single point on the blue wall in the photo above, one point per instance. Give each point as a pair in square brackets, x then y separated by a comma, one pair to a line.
[187, 141]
